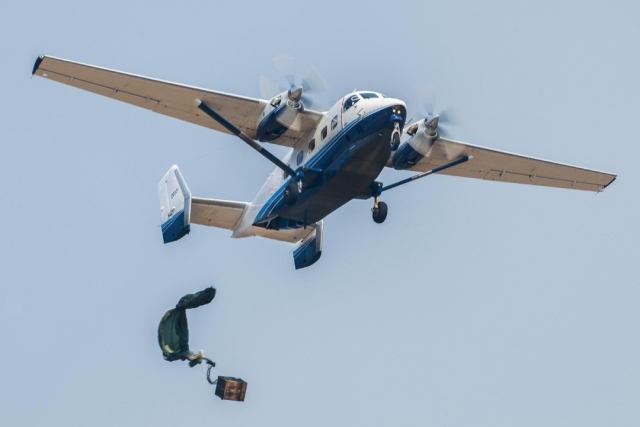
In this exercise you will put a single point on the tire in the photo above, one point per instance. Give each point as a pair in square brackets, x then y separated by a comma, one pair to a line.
[380, 214]
[291, 193]
[395, 141]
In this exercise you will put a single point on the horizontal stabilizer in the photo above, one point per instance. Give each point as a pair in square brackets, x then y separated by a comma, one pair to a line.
[217, 213]
[175, 205]
[308, 251]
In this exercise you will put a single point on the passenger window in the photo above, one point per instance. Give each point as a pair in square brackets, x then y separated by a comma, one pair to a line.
[323, 134]
[351, 101]
[312, 145]
[334, 122]
[300, 157]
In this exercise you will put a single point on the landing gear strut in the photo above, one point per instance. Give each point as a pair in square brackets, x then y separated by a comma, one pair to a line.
[379, 211]
[380, 208]
[395, 137]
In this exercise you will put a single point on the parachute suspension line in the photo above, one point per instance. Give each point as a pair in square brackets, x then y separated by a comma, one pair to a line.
[211, 365]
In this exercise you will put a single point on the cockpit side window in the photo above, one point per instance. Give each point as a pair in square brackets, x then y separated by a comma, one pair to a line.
[351, 101]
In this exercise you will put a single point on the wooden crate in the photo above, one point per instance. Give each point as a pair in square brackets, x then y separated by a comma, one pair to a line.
[229, 388]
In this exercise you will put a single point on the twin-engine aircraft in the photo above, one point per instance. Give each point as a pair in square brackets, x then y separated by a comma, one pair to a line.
[336, 155]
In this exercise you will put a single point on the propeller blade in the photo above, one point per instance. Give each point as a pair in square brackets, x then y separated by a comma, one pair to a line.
[443, 130]
[427, 97]
[269, 88]
[308, 102]
[285, 65]
[289, 118]
[313, 82]
[450, 115]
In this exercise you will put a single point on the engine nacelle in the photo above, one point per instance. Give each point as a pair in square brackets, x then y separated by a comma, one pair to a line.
[421, 135]
[280, 115]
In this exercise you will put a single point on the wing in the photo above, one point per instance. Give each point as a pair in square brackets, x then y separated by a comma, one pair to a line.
[171, 99]
[495, 165]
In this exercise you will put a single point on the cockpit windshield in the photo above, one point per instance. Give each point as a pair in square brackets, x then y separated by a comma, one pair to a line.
[351, 101]
[368, 95]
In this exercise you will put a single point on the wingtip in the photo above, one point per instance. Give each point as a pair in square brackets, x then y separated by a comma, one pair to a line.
[610, 182]
[37, 64]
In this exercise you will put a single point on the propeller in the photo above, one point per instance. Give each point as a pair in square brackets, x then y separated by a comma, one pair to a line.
[312, 82]
[446, 117]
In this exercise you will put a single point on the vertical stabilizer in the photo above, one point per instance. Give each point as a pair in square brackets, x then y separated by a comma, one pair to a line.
[175, 205]
[308, 251]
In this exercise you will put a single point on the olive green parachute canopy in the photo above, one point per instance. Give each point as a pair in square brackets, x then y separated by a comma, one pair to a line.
[173, 332]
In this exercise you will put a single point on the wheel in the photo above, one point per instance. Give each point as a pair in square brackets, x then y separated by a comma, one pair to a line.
[395, 141]
[291, 193]
[380, 214]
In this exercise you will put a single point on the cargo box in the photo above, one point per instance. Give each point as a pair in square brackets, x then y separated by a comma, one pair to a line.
[229, 388]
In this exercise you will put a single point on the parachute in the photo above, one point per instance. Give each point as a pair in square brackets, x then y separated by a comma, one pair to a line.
[173, 338]
[173, 331]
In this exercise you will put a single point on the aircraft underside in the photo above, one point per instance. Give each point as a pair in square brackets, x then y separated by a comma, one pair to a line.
[349, 177]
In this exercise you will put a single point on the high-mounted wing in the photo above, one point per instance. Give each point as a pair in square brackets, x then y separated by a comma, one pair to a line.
[495, 165]
[171, 99]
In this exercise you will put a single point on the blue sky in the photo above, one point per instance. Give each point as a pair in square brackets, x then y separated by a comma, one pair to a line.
[475, 303]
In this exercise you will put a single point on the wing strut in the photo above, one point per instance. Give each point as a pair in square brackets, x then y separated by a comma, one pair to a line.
[237, 132]
[380, 208]
[423, 174]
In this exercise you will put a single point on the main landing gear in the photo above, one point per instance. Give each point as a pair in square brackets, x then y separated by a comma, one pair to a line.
[380, 208]
[292, 192]
[379, 211]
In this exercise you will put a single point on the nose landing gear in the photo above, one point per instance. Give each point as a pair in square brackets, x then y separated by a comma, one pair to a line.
[379, 211]
[395, 137]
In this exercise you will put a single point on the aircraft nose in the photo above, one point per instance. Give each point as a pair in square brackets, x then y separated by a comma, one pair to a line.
[398, 108]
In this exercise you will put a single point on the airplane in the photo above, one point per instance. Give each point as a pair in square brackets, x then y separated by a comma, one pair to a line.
[335, 155]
